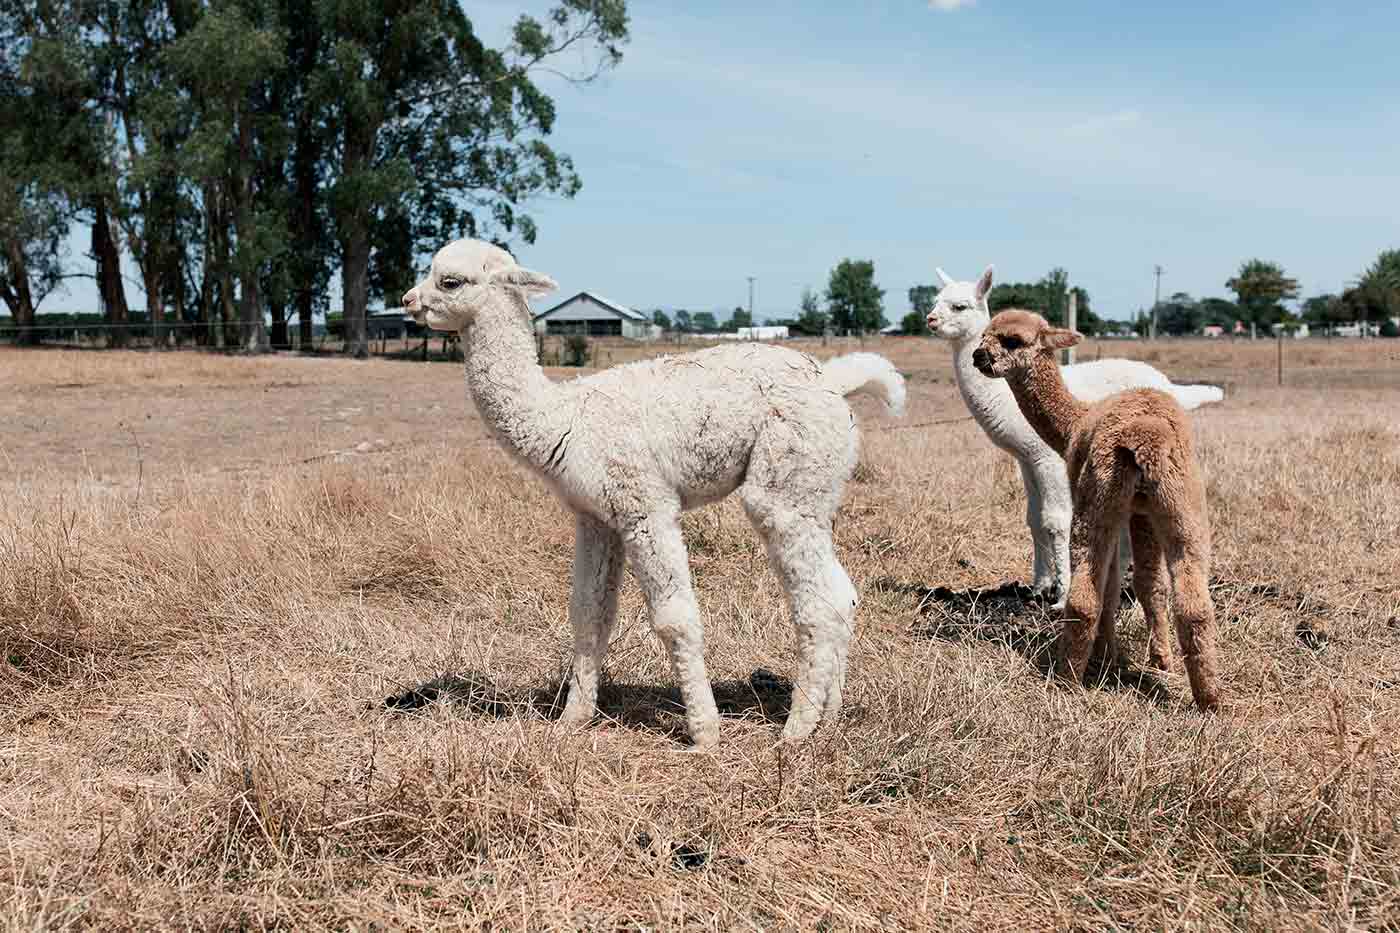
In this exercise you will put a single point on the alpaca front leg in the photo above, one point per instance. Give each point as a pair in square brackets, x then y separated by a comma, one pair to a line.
[656, 551]
[1043, 563]
[592, 612]
[1056, 518]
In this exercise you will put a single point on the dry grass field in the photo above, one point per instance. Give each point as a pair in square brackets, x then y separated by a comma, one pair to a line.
[214, 571]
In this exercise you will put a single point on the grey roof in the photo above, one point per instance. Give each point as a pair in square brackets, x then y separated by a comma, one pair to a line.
[611, 305]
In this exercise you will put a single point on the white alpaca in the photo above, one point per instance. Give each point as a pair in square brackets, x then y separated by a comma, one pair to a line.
[631, 447]
[960, 315]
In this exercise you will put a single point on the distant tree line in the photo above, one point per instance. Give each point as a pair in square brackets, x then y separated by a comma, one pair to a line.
[1261, 287]
[242, 151]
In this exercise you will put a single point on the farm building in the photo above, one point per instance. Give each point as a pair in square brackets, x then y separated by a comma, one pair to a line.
[588, 314]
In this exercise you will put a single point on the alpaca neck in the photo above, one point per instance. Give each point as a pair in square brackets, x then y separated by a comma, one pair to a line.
[511, 391]
[982, 395]
[1046, 401]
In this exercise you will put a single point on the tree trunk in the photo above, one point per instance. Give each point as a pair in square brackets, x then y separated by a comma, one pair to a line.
[251, 337]
[18, 296]
[150, 276]
[109, 276]
[355, 276]
[279, 324]
[354, 244]
[305, 305]
[180, 330]
[305, 235]
[204, 333]
[228, 312]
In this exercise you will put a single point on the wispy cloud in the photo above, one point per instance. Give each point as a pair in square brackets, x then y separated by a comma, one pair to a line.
[948, 6]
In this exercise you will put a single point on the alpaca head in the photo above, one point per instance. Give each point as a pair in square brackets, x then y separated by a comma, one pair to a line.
[1014, 339]
[465, 276]
[960, 310]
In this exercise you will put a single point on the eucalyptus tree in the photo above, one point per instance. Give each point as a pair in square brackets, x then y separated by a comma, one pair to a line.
[435, 135]
[50, 137]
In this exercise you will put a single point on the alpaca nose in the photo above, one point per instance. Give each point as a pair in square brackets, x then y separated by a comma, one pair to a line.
[981, 358]
[410, 297]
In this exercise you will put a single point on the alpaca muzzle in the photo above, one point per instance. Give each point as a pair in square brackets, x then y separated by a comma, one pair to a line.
[982, 360]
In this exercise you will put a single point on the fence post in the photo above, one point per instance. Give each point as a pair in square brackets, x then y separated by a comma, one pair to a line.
[1072, 322]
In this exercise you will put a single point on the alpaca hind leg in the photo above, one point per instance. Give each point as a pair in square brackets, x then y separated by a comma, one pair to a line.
[831, 711]
[1189, 563]
[1152, 586]
[656, 551]
[592, 612]
[1093, 549]
[821, 597]
[1106, 652]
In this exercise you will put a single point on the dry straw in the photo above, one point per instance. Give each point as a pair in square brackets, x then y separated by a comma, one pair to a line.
[195, 733]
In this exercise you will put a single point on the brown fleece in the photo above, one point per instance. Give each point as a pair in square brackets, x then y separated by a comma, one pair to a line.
[1131, 459]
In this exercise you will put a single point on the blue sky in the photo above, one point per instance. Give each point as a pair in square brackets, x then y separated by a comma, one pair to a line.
[773, 139]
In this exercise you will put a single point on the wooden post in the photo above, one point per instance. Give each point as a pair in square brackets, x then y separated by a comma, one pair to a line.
[1072, 322]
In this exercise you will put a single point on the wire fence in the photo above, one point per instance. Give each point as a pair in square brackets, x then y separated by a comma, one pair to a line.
[405, 340]
[393, 339]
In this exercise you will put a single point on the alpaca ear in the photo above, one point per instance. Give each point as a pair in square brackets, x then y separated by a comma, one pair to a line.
[1058, 338]
[943, 277]
[531, 283]
[984, 284]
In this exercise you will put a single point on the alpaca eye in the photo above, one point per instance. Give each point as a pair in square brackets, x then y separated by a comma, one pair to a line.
[1012, 342]
[449, 282]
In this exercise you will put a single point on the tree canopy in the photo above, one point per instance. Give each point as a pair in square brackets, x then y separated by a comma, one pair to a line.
[854, 302]
[1048, 297]
[242, 151]
[1260, 289]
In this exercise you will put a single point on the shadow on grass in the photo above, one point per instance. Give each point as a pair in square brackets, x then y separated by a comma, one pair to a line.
[762, 697]
[1013, 615]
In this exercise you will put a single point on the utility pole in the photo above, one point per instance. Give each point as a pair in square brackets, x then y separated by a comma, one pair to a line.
[751, 281]
[1156, 300]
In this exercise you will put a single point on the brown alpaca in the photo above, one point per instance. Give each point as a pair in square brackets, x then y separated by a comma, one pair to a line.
[1130, 459]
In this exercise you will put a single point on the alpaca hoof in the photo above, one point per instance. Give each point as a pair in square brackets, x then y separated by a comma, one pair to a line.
[1064, 673]
[1159, 663]
[1212, 706]
[705, 739]
[575, 717]
[797, 731]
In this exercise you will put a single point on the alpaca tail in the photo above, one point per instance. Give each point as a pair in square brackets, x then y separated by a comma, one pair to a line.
[1190, 397]
[869, 373]
[1149, 442]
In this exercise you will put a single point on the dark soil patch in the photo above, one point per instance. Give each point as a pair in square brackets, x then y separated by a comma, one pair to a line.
[1014, 615]
[763, 696]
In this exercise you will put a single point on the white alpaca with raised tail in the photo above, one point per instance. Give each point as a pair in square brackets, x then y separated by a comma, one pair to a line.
[630, 448]
[960, 316]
